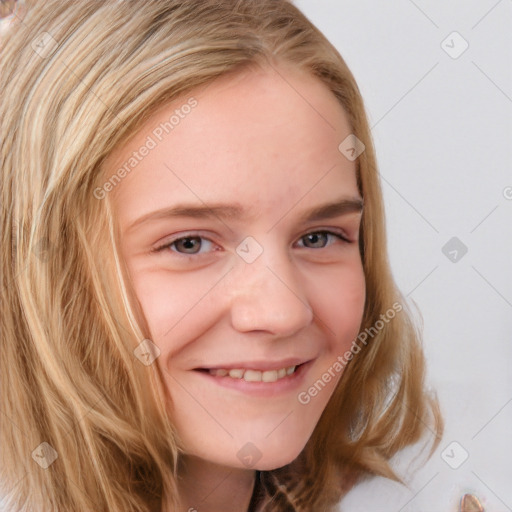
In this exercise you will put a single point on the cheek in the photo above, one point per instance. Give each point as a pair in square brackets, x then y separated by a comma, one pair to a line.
[337, 297]
[175, 306]
[180, 307]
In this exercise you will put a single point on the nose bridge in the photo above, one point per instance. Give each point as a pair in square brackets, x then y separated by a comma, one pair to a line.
[266, 292]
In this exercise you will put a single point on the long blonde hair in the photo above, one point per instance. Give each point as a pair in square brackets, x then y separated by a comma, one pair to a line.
[77, 79]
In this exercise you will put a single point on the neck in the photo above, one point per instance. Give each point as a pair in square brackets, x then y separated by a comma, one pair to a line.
[209, 487]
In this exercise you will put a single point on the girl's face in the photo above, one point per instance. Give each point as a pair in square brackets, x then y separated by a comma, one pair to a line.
[243, 271]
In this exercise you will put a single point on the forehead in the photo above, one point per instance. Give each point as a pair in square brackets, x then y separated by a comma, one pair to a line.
[273, 131]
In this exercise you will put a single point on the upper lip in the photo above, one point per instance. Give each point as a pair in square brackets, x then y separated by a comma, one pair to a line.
[257, 365]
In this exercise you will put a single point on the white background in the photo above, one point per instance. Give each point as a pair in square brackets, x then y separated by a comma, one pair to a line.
[442, 128]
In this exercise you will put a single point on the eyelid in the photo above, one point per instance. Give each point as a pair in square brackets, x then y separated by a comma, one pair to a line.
[187, 234]
[333, 231]
[343, 236]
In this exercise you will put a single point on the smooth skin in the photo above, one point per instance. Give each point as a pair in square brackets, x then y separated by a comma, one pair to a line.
[267, 141]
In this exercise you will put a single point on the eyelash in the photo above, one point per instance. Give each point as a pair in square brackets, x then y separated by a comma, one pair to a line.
[168, 245]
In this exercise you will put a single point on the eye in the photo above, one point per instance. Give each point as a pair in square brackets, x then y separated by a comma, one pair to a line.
[319, 239]
[192, 245]
[187, 245]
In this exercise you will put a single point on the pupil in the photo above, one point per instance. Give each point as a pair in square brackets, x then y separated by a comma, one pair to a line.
[188, 243]
[315, 238]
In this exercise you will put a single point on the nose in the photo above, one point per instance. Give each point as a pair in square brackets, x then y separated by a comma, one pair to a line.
[268, 295]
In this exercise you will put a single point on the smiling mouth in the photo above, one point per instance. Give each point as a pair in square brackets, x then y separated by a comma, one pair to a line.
[250, 375]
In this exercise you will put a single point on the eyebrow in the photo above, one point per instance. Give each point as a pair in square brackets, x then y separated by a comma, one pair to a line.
[236, 211]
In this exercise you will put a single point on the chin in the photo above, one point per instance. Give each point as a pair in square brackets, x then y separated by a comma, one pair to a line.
[274, 464]
[277, 458]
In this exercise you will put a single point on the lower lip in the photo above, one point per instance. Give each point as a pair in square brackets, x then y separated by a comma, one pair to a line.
[263, 389]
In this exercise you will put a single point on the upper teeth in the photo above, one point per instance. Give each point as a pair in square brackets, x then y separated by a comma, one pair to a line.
[254, 375]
